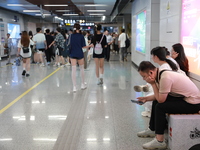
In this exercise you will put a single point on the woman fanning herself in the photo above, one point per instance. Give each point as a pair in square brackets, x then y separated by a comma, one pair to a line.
[24, 49]
[77, 42]
[99, 38]
[178, 54]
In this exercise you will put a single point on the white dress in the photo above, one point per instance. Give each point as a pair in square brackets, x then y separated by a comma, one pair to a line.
[25, 55]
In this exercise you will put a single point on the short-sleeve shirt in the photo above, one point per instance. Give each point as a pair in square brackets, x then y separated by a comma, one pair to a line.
[122, 39]
[59, 40]
[77, 42]
[174, 82]
[40, 39]
[25, 55]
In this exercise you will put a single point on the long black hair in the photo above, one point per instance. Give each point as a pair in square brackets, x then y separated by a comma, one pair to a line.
[181, 59]
[160, 52]
[96, 28]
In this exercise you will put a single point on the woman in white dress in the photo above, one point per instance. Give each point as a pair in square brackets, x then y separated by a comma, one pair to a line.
[24, 50]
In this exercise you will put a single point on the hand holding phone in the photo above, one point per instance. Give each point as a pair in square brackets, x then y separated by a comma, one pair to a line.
[137, 102]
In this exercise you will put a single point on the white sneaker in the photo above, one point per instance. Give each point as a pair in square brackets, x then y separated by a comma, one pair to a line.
[74, 89]
[83, 86]
[146, 114]
[67, 64]
[42, 65]
[146, 133]
[62, 66]
[154, 144]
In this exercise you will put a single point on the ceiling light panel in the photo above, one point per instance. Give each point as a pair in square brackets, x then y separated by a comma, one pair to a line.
[55, 5]
[96, 14]
[62, 10]
[31, 10]
[70, 14]
[90, 5]
[96, 10]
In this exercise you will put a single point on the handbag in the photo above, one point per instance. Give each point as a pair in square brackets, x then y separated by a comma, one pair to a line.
[25, 49]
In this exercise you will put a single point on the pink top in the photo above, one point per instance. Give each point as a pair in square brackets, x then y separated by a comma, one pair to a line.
[178, 83]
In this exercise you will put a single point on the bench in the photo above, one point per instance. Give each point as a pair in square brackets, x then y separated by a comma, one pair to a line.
[183, 131]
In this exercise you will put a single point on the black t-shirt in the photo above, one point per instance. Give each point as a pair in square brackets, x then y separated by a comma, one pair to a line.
[49, 39]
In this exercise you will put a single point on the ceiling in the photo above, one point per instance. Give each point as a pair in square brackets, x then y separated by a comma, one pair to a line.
[89, 10]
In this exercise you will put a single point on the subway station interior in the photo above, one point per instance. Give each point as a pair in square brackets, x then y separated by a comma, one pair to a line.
[42, 111]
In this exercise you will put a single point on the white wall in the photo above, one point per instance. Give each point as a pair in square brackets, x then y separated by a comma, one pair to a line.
[170, 22]
[152, 27]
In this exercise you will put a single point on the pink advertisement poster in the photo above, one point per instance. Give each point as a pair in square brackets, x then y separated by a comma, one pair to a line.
[190, 33]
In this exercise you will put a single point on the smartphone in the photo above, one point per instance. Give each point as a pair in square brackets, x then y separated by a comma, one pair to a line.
[137, 102]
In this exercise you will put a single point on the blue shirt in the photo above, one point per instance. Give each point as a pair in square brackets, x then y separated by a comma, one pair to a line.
[77, 41]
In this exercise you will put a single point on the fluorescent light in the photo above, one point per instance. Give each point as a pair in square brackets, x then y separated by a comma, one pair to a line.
[106, 139]
[70, 14]
[62, 10]
[15, 5]
[43, 14]
[55, 5]
[31, 10]
[96, 10]
[95, 5]
[96, 14]
[104, 17]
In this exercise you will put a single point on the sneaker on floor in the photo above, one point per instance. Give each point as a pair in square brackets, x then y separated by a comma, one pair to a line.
[154, 144]
[67, 64]
[137, 88]
[101, 80]
[146, 133]
[27, 75]
[23, 72]
[83, 86]
[74, 89]
[42, 65]
[146, 114]
[62, 66]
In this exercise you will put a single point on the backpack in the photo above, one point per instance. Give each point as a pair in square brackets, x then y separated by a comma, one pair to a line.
[127, 42]
[98, 48]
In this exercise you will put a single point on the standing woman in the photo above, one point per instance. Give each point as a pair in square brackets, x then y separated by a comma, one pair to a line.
[24, 49]
[99, 58]
[178, 54]
[77, 42]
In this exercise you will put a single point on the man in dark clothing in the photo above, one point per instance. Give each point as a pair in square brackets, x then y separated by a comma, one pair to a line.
[49, 50]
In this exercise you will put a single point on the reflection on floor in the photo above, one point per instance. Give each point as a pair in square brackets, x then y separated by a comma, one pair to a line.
[41, 112]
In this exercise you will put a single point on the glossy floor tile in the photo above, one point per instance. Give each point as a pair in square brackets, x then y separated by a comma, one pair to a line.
[41, 112]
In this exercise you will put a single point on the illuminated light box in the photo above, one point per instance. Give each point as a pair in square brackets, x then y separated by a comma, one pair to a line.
[141, 32]
[190, 33]
[14, 30]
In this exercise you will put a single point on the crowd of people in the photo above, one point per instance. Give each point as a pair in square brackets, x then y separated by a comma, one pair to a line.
[73, 48]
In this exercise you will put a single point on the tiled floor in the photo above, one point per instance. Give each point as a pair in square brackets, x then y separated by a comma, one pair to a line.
[41, 112]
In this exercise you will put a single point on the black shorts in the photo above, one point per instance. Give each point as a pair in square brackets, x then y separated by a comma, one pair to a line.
[76, 58]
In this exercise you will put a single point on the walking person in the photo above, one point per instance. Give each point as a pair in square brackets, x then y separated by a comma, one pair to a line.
[49, 50]
[99, 38]
[109, 40]
[7, 46]
[41, 44]
[77, 43]
[122, 46]
[24, 50]
[59, 43]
